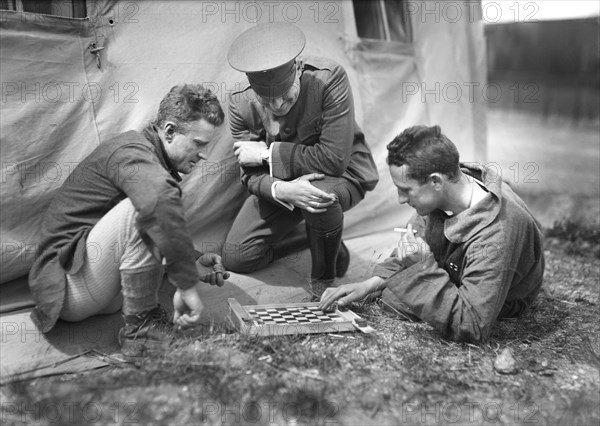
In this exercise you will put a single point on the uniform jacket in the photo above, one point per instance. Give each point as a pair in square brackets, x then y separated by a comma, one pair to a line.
[486, 262]
[319, 133]
[130, 165]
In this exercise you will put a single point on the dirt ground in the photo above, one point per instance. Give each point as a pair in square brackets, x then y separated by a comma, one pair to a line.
[403, 374]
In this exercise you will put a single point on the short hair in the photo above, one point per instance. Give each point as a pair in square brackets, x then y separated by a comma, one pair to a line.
[424, 150]
[188, 103]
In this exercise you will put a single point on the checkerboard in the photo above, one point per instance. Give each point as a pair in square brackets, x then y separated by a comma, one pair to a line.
[292, 315]
[291, 318]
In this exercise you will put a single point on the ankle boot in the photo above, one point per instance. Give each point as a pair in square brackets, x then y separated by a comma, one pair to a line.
[147, 327]
[146, 333]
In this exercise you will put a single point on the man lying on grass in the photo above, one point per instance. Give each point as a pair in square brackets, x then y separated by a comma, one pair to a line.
[117, 223]
[472, 253]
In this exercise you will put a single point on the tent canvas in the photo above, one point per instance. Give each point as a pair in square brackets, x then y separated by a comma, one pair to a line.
[60, 100]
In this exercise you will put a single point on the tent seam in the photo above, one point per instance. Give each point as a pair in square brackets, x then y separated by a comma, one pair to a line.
[85, 72]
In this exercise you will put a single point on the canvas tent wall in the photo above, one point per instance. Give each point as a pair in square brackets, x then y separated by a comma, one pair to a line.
[60, 99]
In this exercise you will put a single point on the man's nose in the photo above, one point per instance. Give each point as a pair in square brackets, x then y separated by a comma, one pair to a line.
[277, 103]
[402, 199]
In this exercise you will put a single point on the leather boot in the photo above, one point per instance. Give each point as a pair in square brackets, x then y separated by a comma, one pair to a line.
[147, 333]
[147, 327]
[324, 248]
[343, 261]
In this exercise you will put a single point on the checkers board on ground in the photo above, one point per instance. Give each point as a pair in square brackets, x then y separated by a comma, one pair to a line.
[291, 318]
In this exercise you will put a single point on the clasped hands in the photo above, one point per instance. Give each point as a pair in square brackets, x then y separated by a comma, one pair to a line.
[186, 302]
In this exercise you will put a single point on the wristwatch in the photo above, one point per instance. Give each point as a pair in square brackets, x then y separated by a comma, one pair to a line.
[265, 157]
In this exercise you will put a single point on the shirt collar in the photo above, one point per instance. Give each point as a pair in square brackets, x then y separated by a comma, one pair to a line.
[463, 226]
[151, 133]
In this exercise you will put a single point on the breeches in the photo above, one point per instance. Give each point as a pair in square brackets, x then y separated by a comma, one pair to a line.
[113, 244]
[260, 225]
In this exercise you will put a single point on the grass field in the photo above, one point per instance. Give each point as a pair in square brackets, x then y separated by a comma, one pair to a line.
[403, 374]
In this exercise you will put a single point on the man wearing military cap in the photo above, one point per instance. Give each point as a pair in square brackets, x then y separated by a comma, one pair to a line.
[303, 157]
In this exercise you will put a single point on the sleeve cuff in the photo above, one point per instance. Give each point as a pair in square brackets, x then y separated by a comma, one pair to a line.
[271, 169]
[273, 194]
[280, 168]
[382, 272]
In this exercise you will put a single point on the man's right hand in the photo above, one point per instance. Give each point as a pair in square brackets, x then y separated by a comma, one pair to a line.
[412, 249]
[347, 293]
[302, 194]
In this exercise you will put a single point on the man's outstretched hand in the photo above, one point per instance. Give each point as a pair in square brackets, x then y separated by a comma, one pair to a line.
[347, 293]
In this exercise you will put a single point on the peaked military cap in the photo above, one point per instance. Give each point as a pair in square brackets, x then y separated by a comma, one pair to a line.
[266, 53]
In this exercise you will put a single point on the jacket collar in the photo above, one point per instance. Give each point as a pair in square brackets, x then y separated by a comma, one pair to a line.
[463, 226]
[151, 133]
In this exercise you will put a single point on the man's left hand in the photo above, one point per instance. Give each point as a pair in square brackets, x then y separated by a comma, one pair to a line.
[218, 275]
[248, 153]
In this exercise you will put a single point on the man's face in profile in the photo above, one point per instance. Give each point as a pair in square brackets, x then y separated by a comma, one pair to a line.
[186, 149]
[421, 196]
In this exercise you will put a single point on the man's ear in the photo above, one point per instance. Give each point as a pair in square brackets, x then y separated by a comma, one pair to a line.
[169, 129]
[437, 180]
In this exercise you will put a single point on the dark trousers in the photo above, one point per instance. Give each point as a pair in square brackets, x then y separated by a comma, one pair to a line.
[259, 232]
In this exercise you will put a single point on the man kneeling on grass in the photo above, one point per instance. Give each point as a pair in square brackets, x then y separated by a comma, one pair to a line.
[472, 253]
[118, 218]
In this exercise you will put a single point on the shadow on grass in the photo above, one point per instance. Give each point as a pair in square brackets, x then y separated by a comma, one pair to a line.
[543, 319]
